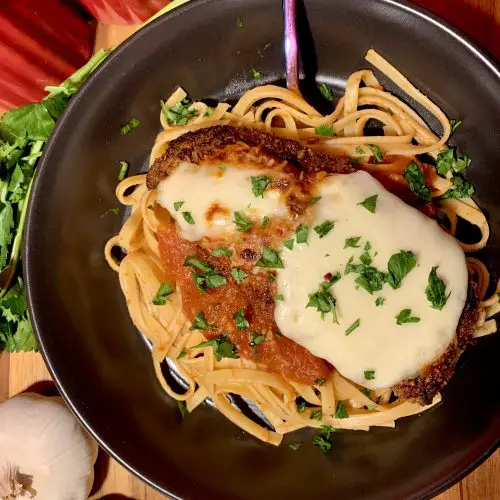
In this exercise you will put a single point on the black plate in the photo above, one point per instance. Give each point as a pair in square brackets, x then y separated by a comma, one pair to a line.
[100, 363]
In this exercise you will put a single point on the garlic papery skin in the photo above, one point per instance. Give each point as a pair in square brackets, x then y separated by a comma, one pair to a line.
[44, 452]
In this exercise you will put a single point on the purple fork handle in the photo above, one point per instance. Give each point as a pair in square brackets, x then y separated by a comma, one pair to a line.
[291, 45]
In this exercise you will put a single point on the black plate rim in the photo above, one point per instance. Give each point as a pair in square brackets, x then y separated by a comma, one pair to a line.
[28, 260]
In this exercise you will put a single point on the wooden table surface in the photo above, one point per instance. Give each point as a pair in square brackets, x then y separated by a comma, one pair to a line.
[18, 372]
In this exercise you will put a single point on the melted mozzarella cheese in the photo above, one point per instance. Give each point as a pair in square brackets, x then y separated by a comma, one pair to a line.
[392, 351]
[211, 194]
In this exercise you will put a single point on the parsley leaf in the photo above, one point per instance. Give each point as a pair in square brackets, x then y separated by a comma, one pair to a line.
[259, 184]
[400, 264]
[238, 274]
[416, 180]
[239, 22]
[436, 290]
[461, 189]
[200, 323]
[369, 278]
[131, 125]
[256, 339]
[323, 439]
[208, 278]
[114, 211]
[181, 406]
[359, 150]
[353, 327]
[352, 242]
[365, 258]
[405, 316]
[240, 320]
[367, 246]
[326, 92]
[454, 124]
[242, 223]
[379, 301]
[288, 244]
[265, 221]
[188, 217]
[323, 301]
[222, 252]
[257, 74]
[279, 297]
[341, 412]
[182, 354]
[123, 170]
[369, 374]
[316, 414]
[301, 233]
[370, 203]
[195, 262]
[450, 161]
[223, 348]
[271, 277]
[164, 290]
[324, 228]
[177, 205]
[325, 130]
[179, 113]
[377, 154]
[270, 258]
[314, 200]
[319, 381]
[295, 446]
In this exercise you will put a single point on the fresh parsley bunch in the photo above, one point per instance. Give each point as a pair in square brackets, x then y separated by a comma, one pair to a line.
[23, 135]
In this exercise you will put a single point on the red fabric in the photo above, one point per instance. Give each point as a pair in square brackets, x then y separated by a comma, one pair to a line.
[123, 11]
[41, 43]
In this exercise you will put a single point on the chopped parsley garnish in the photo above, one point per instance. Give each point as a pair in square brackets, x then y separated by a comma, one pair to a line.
[341, 411]
[323, 439]
[295, 446]
[450, 161]
[131, 125]
[256, 339]
[208, 278]
[370, 203]
[271, 277]
[301, 405]
[461, 189]
[367, 246]
[279, 297]
[416, 180]
[369, 374]
[314, 200]
[188, 217]
[242, 223]
[365, 258]
[259, 184]
[316, 414]
[240, 320]
[123, 170]
[335, 277]
[200, 323]
[400, 264]
[359, 150]
[325, 130]
[209, 112]
[265, 221]
[323, 301]
[257, 74]
[150, 207]
[369, 278]
[366, 392]
[454, 124]
[179, 113]
[326, 92]
[238, 274]
[177, 205]
[380, 301]
[319, 381]
[182, 408]
[377, 154]
[114, 211]
[301, 233]
[353, 327]
[352, 242]
[288, 244]
[324, 228]
[182, 354]
[239, 22]
[223, 348]
[405, 316]
[164, 290]
[270, 258]
[222, 252]
[436, 290]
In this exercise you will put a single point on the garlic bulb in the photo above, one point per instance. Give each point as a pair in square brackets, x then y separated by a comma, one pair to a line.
[44, 452]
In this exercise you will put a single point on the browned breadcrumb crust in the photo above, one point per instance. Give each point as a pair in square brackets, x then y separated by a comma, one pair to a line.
[195, 146]
[434, 376]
